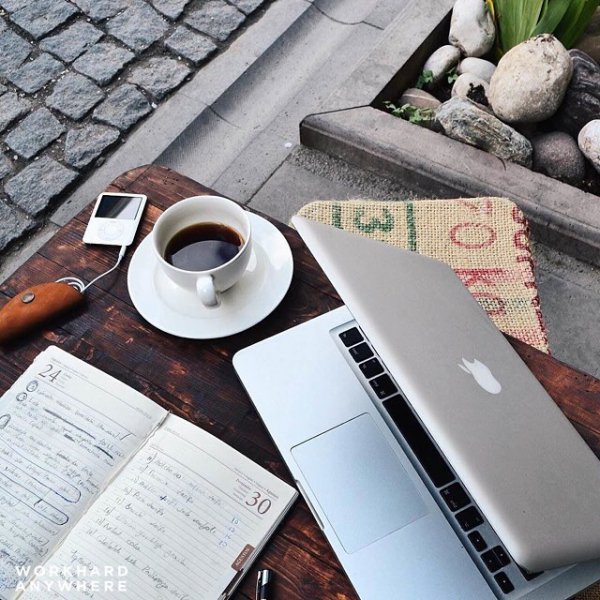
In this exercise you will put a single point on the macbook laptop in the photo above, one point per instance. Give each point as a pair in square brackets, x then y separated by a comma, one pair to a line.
[433, 460]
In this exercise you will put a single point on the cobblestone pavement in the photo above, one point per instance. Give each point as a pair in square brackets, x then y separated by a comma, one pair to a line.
[77, 75]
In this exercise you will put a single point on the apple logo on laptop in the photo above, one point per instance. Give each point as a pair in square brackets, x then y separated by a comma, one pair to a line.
[482, 375]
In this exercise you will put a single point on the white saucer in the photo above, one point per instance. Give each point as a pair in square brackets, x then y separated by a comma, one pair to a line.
[180, 312]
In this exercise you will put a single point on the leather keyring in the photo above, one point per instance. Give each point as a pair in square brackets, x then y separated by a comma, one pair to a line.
[35, 306]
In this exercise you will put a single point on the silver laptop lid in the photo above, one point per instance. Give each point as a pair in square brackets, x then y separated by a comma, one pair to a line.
[528, 469]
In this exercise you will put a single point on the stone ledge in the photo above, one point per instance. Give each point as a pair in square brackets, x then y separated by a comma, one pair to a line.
[560, 215]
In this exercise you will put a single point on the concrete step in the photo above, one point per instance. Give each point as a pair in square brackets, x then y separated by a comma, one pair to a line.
[308, 175]
[570, 299]
[253, 126]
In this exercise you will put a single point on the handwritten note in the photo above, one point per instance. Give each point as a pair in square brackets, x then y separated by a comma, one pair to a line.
[101, 491]
[65, 430]
[185, 516]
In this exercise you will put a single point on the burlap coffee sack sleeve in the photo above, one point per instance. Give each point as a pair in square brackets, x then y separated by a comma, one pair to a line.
[485, 241]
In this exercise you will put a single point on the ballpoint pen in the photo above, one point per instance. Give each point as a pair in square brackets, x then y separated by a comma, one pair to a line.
[263, 585]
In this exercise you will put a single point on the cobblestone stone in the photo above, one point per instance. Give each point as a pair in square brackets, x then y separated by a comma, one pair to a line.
[11, 108]
[159, 76]
[196, 47]
[34, 133]
[74, 96]
[42, 16]
[170, 8]
[138, 27]
[103, 61]
[12, 5]
[247, 6]
[38, 184]
[33, 75]
[6, 166]
[98, 10]
[216, 18]
[124, 107]
[83, 145]
[13, 224]
[73, 41]
[13, 51]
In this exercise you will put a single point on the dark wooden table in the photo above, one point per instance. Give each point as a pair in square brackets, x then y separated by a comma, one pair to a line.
[195, 379]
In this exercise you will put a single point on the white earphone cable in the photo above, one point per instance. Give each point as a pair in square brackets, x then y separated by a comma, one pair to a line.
[80, 286]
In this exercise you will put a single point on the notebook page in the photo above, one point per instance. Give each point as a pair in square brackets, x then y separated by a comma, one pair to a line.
[181, 522]
[65, 429]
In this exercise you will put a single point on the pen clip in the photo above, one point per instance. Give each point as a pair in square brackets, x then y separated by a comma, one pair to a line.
[256, 595]
[262, 582]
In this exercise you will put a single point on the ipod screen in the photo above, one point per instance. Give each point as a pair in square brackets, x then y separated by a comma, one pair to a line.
[118, 207]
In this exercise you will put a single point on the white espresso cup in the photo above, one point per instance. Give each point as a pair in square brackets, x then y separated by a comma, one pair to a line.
[207, 284]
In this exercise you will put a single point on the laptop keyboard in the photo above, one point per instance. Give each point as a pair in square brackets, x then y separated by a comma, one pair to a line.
[493, 560]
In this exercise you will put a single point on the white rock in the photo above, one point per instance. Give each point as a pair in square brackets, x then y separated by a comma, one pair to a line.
[484, 69]
[472, 27]
[530, 81]
[472, 87]
[589, 142]
[441, 61]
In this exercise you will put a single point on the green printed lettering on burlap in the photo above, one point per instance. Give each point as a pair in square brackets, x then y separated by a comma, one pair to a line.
[411, 227]
[375, 224]
[336, 215]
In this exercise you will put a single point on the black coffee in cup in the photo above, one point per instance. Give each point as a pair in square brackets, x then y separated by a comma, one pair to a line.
[203, 246]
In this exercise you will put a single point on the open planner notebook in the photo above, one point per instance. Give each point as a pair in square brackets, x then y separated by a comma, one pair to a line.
[104, 494]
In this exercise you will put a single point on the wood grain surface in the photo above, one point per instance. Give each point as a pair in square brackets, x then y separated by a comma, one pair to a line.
[196, 380]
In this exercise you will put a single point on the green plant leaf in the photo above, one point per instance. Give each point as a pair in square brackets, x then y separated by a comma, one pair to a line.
[452, 75]
[424, 78]
[519, 20]
[515, 21]
[575, 21]
[552, 14]
[411, 113]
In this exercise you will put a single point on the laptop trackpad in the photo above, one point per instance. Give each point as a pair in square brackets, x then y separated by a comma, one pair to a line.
[359, 482]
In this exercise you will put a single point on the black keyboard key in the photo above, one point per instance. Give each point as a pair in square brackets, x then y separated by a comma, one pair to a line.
[351, 337]
[528, 574]
[361, 352]
[477, 540]
[383, 386]
[501, 555]
[504, 583]
[491, 561]
[416, 437]
[371, 368]
[455, 497]
[469, 518]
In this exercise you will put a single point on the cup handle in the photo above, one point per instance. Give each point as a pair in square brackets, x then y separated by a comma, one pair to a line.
[205, 286]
